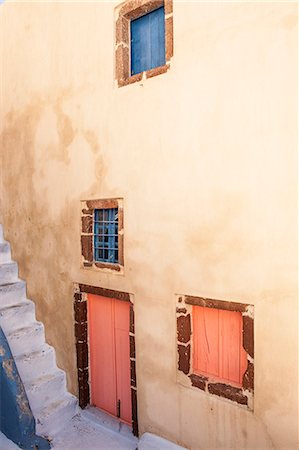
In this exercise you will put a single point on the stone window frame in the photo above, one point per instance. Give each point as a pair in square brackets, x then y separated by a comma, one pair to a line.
[241, 395]
[87, 233]
[81, 292]
[124, 13]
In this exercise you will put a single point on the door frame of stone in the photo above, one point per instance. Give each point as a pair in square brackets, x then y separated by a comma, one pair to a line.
[81, 292]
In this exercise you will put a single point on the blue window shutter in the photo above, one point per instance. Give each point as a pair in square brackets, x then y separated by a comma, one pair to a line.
[148, 41]
[157, 37]
[140, 44]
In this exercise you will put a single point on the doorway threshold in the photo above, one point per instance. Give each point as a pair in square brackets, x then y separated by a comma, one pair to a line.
[101, 418]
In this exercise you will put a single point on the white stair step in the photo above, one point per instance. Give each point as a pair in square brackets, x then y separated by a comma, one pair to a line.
[1, 233]
[5, 254]
[44, 390]
[8, 272]
[13, 317]
[27, 339]
[36, 364]
[51, 419]
[12, 293]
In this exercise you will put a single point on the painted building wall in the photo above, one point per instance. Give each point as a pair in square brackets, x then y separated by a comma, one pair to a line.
[205, 159]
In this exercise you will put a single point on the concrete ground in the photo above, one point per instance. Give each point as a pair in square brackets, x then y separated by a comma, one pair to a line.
[85, 432]
[92, 429]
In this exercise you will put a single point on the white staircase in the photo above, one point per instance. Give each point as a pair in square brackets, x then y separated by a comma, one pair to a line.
[45, 384]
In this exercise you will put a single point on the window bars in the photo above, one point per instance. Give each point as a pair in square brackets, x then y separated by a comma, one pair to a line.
[106, 235]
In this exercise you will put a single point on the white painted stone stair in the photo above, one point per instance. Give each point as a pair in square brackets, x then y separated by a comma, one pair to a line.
[45, 384]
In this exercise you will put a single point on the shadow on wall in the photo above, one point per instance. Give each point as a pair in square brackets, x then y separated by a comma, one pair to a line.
[42, 246]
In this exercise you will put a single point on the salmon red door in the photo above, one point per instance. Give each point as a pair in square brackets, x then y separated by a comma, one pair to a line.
[102, 353]
[122, 357]
[109, 345]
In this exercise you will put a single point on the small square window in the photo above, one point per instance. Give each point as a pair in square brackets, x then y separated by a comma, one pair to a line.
[148, 41]
[102, 234]
[144, 39]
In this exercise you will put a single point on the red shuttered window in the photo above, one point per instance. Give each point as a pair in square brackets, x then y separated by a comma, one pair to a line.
[217, 344]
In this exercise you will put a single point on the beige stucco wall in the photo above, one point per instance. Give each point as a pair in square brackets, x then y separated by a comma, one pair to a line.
[205, 159]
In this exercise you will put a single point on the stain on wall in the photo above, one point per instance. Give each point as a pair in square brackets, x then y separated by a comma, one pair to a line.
[41, 242]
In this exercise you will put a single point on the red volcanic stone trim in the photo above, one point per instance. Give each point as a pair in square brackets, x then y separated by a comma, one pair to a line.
[184, 358]
[168, 6]
[82, 355]
[87, 222]
[248, 335]
[103, 292]
[169, 38]
[120, 235]
[87, 211]
[184, 328]
[103, 265]
[157, 71]
[132, 79]
[218, 304]
[122, 30]
[83, 375]
[87, 264]
[134, 412]
[132, 347]
[102, 204]
[122, 57]
[133, 373]
[81, 332]
[136, 8]
[132, 319]
[77, 297]
[198, 381]
[86, 246]
[84, 394]
[248, 378]
[229, 392]
[80, 309]
[181, 310]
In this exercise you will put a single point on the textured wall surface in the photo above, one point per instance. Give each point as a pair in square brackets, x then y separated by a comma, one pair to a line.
[204, 157]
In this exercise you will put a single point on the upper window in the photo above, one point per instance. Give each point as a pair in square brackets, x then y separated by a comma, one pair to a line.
[144, 39]
[102, 234]
[148, 41]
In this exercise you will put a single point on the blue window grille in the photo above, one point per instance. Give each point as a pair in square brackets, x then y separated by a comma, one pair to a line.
[106, 235]
[148, 41]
